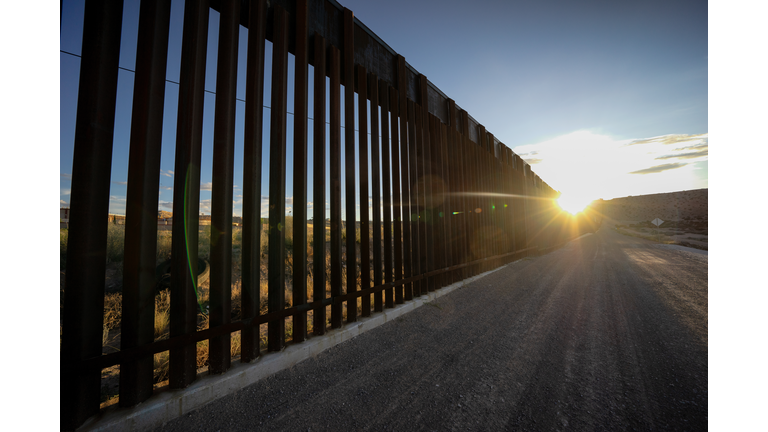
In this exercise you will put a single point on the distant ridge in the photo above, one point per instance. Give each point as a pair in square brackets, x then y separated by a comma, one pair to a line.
[672, 206]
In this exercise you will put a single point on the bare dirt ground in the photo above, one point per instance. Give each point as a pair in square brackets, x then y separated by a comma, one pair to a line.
[685, 216]
[607, 333]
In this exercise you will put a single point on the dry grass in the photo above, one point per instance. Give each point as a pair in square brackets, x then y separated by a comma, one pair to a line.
[113, 313]
[113, 301]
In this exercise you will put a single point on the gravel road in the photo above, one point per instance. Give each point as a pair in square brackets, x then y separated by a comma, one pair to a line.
[606, 333]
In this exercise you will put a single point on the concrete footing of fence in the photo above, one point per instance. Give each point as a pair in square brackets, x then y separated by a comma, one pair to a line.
[170, 404]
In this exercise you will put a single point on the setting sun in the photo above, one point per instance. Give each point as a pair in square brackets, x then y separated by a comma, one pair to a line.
[573, 203]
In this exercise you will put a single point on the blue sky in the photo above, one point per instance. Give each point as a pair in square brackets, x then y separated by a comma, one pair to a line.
[590, 93]
[603, 98]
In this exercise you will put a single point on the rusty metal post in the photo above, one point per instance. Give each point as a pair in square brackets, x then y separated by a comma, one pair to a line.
[414, 131]
[387, 192]
[335, 180]
[86, 251]
[410, 228]
[397, 200]
[426, 223]
[219, 348]
[186, 192]
[348, 69]
[300, 110]
[137, 326]
[405, 183]
[277, 145]
[365, 243]
[252, 161]
[318, 197]
[456, 210]
[373, 85]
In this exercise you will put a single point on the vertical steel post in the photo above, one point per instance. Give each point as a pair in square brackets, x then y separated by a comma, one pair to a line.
[410, 229]
[456, 206]
[137, 326]
[82, 320]
[387, 192]
[365, 243]
[373, 83]
[482, 198]
[348, 69]
[252, 161]
[397, 200]
[426, 219]
[277, 144]
[405, 196]
[219, 347]
[318, 197]
[447, 220]
[414, 138]
[186, 191]
[438, 199]
[335, 179]
[300, 110]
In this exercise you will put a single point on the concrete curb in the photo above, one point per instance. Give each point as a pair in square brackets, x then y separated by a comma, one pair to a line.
[170, 404]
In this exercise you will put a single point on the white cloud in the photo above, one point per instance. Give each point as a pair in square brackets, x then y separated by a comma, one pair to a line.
[599, 166]
[116, 204]
[205, 206]
[671, 139]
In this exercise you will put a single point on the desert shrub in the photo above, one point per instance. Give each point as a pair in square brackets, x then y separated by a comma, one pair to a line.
[63, 236]
[264, 241]
[115, 242]
[113, 313]
[164, 244]
[237, 238]
[160, 366]
[204, 241]
[288, 229]
[162, 313]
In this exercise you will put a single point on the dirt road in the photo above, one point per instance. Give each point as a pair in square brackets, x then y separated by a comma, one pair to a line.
[607, 333]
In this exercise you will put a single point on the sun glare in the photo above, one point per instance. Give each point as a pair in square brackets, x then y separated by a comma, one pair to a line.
[573, 204]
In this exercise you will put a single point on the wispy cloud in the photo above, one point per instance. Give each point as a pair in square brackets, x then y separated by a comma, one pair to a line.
[124, 183]
[670, 139]
[700, 146]
[600, 166]
[690, 155]
[117, 204]
[205, 206]
[660, 168]
[167, 173]
[206, 186]
[66, 176]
